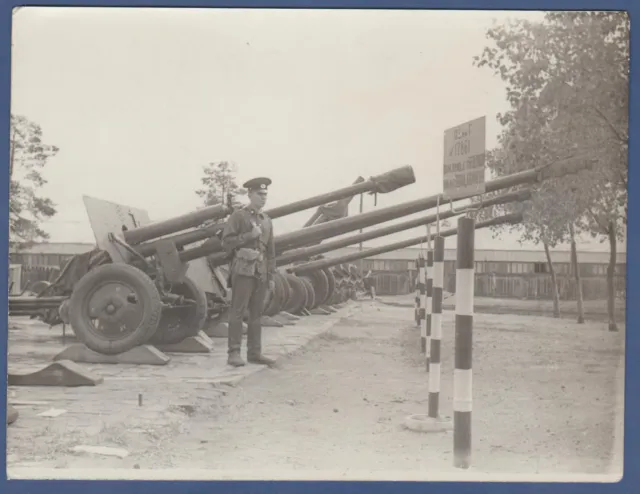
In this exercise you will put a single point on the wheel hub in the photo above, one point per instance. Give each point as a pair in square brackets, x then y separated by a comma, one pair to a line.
[114, 308]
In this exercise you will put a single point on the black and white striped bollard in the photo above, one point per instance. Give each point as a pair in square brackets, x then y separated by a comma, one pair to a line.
[436, 327]
[416, 310]
[429, 303]
[462, 377]
[422, 289]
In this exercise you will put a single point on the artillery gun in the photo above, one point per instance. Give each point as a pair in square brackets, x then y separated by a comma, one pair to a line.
[347, 278]
[332, 266]
[141, 285]
[297, 290]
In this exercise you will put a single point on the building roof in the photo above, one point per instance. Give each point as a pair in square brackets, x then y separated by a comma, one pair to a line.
[59, 248]
[524, 256]
[410, 253]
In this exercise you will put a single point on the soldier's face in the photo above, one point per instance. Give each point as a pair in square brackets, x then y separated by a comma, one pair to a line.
[258, 198]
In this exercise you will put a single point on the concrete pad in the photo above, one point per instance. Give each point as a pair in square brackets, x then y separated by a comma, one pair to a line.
[319, 311]
[12, 414]
[220, 329]
[289, 316]
[283, 320]
[328, 308]
[424, 423]
[62, 373]
[270, 322]
[191, 344]
[204, 337]
[140, 355]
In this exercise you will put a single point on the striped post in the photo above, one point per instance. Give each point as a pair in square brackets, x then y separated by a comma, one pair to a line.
[462, 377]
[416, 310]
[422, 289]
[436, 327]
[429, 302]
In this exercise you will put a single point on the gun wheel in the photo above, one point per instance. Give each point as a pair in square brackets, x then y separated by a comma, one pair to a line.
[320, 284]
[276, 298]
[311, 295]
[298, 298]
[114, 308]
[183, 320]
[331, 280]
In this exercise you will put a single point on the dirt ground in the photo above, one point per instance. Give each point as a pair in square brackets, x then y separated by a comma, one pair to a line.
[547, 405]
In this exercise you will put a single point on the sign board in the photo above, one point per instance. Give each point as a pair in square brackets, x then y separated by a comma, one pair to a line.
[464, 159]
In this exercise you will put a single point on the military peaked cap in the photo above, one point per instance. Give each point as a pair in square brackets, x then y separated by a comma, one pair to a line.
[259, 183]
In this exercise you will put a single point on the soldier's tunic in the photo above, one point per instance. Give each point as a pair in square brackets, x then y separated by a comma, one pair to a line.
[248, 291]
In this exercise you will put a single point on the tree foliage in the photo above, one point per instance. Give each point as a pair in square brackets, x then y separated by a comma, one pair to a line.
[218, 181]
[28, 155]
[567, 82]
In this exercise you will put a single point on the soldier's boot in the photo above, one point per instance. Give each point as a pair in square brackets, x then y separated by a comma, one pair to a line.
[235, 359]
[260, 360]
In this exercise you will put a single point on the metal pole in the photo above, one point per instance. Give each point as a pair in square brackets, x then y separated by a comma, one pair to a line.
[361, 260]
[436, 327]
[417, 302]
[422, 297]
[462, 377]
[429, 302]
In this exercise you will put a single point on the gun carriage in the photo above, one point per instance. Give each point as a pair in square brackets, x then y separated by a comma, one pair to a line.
[146, 282]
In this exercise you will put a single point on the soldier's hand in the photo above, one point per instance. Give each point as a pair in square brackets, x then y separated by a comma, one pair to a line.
[256, 232]
[272, 285]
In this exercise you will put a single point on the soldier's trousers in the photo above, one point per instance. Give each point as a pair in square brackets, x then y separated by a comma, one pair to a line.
[248, 293]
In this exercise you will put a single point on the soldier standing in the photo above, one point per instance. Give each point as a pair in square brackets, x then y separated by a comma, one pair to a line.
[369, 284]
[248, 236]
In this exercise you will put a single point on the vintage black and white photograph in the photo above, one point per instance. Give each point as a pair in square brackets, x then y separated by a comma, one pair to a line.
[263, 244]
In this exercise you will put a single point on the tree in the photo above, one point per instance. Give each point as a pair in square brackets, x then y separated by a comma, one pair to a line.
[28, 156]
[567, 83]
[575, 267]
[541, 223]
[219, 181]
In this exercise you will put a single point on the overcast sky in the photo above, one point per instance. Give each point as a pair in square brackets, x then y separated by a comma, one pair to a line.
[138, 100]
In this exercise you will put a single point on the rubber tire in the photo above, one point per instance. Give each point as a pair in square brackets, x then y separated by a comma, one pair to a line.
[197, 318]
[270, 301]
[298, 298]
[273, 299]
[276, 298]
[286, 291]
[331, 279]
[320, 285]
[144, 288]
[311, 295]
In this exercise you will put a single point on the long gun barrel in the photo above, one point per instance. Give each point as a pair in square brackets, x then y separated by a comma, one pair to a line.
[384, 183]
[329, 262]
[183, 222]
[308, 252]
[312, 234]
[345, 225]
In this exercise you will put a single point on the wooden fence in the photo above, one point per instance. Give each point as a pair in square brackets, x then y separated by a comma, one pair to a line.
[538, 286]
[392, 283]
[30, 274]
[520, 286]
